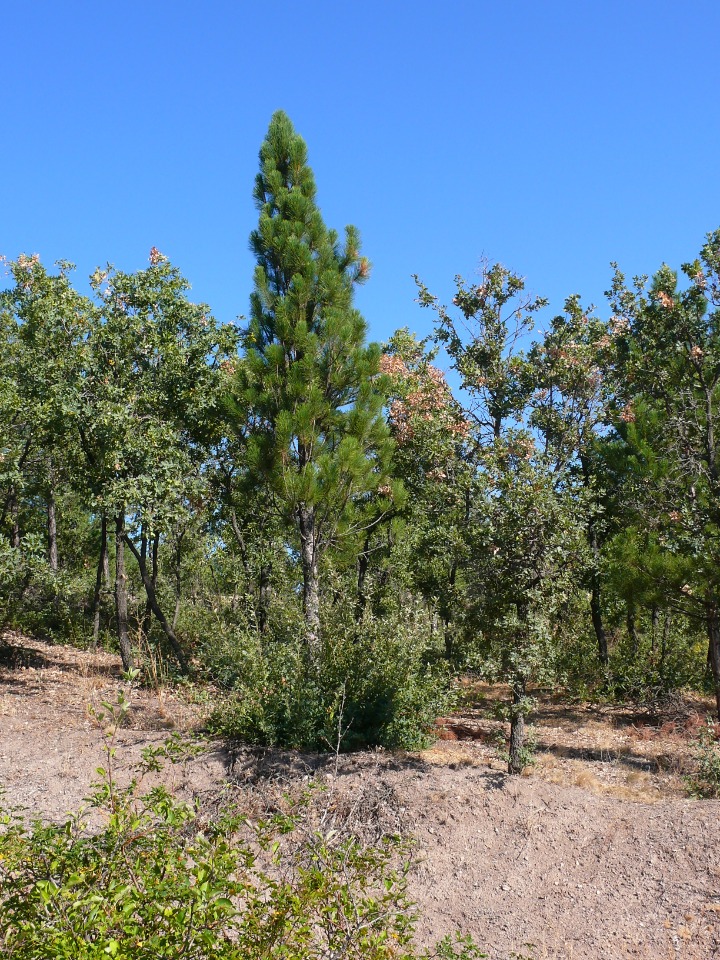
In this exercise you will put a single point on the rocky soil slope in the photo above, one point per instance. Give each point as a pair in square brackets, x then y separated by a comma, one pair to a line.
[597, 854]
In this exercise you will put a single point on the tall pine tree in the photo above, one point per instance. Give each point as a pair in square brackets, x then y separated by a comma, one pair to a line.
[309, 384]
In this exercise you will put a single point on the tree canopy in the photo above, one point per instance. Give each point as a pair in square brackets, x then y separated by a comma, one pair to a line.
[331, 530]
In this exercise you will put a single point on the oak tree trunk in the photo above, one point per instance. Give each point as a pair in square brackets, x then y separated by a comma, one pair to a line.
[597, 620]
[121, 601]
[447, 613]
[154, 547]
[155, 607]
[712, 619]
[264, 594]
[101, 578]
[595, 606]
[178, 579]
[15, 514]
[517, 728]
[52, 532]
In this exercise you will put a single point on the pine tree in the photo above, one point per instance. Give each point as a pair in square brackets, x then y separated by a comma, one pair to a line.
[309, 384]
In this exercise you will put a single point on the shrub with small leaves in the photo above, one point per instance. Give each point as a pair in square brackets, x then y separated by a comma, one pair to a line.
[705, 781]
[160, 880]
[370, 683]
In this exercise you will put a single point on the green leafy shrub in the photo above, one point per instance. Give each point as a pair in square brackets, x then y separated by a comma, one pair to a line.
[152, 884]
[24, 570]
[376, 682]
[36, 600]
[158, 880]
[705, 781]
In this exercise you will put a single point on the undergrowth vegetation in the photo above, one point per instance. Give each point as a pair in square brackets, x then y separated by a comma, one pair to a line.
[705, 780]
[141, 875]
[376, 681]
[329, 532]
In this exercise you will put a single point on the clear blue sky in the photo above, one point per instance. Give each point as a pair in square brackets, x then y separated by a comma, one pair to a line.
[552, 136]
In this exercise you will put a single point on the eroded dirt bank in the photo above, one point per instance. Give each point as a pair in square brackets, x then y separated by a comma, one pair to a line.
[575, 870]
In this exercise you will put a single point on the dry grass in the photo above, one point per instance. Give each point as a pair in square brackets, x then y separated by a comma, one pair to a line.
[80, 681]
[457, 756]
[613, 750]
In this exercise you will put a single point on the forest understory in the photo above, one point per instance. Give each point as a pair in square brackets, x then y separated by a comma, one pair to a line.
[501, 538]
[596, 852]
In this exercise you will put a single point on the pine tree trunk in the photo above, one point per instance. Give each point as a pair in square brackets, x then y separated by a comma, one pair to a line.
[155, 607]
[121, 600]
[363, 563]
[664, 640]
[632, 630]
[517, 729]
[654, 620]
[101, 578]
[311, 580]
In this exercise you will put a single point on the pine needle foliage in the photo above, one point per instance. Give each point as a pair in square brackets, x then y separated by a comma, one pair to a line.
[309, 387]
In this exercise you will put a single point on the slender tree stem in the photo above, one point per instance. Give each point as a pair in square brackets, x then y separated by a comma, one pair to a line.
[121, 600]
[155, 607]
[101, 579]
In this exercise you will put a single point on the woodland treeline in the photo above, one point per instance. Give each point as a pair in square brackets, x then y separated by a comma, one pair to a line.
[326, 530]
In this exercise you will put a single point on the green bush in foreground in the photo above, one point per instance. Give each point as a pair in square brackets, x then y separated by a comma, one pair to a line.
[159, 881]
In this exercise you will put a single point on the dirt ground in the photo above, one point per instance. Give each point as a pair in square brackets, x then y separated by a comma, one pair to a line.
[597, 853]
